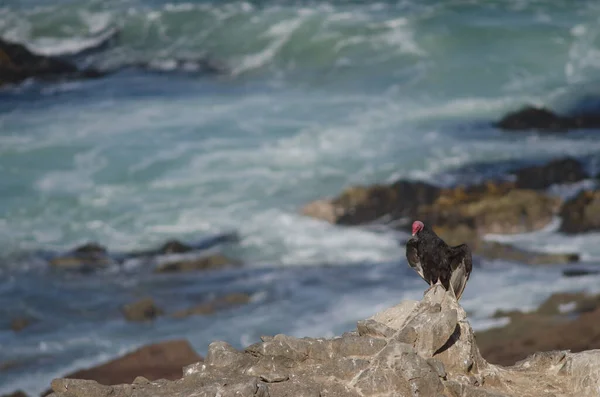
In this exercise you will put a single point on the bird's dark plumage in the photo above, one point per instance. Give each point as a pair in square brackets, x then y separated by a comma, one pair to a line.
[434, 260]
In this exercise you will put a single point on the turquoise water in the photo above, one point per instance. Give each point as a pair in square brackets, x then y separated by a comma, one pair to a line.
[317, 96]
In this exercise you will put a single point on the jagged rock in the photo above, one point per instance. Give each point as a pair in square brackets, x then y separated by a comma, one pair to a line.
[565, 170]
[142, 310]
[210, 262]
[163, 360]
[214, 305]
[441, 358]
[544, 120]
[17, 64]
[581, 213]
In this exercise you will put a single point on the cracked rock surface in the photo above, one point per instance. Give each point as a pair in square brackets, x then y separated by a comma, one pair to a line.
[414, 349]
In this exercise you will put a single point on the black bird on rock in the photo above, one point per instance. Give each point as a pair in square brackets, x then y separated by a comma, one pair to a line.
[437, 262]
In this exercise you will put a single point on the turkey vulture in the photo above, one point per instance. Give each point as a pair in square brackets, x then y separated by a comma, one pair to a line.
[437, 262]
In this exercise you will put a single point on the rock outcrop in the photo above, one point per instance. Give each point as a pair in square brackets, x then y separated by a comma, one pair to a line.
[531, 118]
[424, 348]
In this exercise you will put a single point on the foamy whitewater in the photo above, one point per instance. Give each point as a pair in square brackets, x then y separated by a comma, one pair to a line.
[316, 97]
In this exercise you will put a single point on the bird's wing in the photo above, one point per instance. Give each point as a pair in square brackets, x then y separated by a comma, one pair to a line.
[412, 255]
[462, 265]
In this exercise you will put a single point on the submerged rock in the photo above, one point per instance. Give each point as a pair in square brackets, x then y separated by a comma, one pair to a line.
[581, 213]
[210, 262]
[142, 310]
[221, 303]
[163, 360]
[543, 120]
[424, 348]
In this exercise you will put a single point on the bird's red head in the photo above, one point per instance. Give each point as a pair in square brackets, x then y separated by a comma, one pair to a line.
[417, 226]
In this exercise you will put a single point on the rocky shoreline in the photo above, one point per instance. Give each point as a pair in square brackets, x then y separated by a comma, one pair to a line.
[424, 348]
[517, 203]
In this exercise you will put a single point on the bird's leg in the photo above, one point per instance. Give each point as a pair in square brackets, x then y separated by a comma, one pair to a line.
[431, 285]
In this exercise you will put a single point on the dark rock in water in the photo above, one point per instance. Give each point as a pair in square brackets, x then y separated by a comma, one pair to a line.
[142, 310]
[431, 350]
[163, 360]
[544, 120]
[211, 262]
[579, 272]
[566, 170]
[91, 249]
[20, 323]
[18, 393]
[178, 247]
[534, 118]
[494, 250]
[581, 213]
[174, 247]
[17, 64]
[87, 257]
[214, 305]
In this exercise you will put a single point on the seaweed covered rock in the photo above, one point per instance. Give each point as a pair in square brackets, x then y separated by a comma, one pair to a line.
[424, 348]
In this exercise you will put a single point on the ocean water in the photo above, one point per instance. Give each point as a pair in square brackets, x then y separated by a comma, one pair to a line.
[317, 96]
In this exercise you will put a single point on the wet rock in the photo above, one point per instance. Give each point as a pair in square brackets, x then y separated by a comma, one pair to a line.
[211, 262]
[174, 247]
[356, 364]
[142, 310]
[566, 170]
[17, 64]
[163, 360]
[581, 213]
[540, 119]
[221, 303]
[86, 257]
[495, 250]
